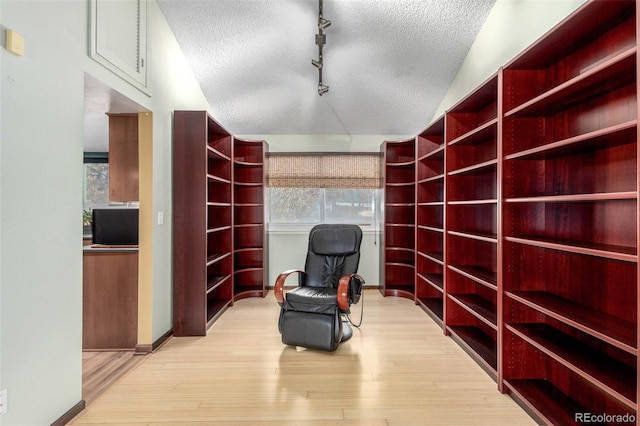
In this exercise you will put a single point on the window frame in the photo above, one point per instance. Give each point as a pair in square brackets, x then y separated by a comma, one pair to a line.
[296, 227]
[324, 171]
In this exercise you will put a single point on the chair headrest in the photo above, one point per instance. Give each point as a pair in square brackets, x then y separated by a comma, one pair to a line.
[335, 240]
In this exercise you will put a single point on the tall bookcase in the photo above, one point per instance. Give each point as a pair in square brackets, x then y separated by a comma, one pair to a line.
[250, 263]
[472, 224]
[570, 209]
[398, 264]
[430, 189]
[202, 222]
[527, 220]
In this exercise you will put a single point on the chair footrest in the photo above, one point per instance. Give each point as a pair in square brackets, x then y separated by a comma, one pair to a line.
[314, 331]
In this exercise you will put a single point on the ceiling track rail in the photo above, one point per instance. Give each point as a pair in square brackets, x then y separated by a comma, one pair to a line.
[321, 40]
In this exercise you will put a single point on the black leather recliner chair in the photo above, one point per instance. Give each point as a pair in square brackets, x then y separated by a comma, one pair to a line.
[311, 314]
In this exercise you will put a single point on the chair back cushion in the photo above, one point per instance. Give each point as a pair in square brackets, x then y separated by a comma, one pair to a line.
[334, 250]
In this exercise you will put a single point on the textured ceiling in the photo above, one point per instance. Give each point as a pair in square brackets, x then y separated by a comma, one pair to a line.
[388, 63]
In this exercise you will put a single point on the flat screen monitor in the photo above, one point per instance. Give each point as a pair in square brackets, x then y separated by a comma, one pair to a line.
[115, 226]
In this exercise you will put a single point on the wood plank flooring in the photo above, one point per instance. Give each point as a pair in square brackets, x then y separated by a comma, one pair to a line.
[101, 369]
[398, 369]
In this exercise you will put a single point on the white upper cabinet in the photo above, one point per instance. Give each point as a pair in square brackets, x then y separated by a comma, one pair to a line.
[119, 38]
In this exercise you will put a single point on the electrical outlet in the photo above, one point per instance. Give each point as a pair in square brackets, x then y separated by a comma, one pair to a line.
[160, 218]
[3, 401]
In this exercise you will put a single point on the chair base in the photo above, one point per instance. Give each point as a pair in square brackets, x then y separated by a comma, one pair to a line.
[347, 331]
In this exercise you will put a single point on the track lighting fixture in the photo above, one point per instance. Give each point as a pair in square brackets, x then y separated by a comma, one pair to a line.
[323, 24]
[321, 39]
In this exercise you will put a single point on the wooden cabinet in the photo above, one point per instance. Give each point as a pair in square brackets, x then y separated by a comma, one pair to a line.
[471, 129]
[123, 158]
[250, 262]
[202, 222]
[109, 298]
[430, 185]
[570, 217]
[398, 265]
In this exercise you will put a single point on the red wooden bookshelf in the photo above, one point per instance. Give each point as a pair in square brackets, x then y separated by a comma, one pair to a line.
[430, 202]
[471, 210]
[250, 237]
[398, 270]
[202, 222]
[570, 217]
[526, 219]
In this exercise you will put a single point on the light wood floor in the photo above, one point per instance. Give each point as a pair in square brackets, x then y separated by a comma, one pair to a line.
[398, 369]
[101, 369]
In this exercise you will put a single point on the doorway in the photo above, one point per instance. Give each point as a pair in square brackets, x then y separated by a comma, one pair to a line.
[104, 362]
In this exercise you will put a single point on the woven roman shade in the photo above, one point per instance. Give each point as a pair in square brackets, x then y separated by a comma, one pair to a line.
[324, 170]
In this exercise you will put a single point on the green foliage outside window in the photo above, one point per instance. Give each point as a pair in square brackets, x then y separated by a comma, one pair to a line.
[320, 205]
[96, 189]
[295, 205]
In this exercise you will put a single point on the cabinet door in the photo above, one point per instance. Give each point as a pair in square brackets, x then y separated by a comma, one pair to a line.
[123, 157]
[118, 38]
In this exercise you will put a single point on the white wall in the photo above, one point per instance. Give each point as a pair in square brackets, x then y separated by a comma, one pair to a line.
[41, 195]
[326, 143]
[512, 25]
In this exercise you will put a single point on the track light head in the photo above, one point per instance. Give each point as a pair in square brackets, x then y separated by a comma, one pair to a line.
[322, 89]
[317, 64]
[323, 24]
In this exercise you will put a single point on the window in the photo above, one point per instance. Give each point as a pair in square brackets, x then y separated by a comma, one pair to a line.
[96, 179]
[322, 205]
[349, 205]
[312, 188]
[295, 205]
[96, 184]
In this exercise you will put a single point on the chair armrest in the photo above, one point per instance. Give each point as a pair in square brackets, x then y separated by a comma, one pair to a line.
[278, 289]
[343, 290]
